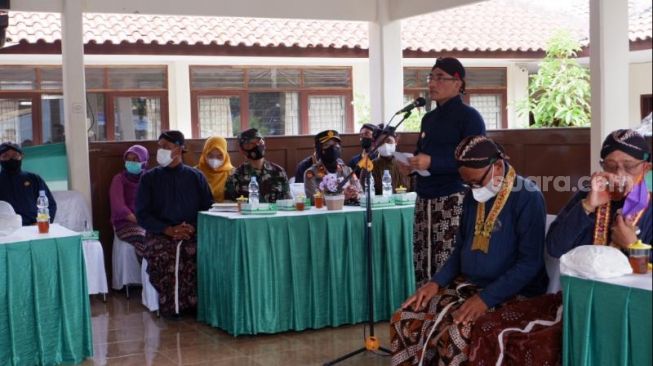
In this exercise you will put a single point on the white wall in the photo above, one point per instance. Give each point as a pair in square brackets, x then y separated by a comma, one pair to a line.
[641, 77]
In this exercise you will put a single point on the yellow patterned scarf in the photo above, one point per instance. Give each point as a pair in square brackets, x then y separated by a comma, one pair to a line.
[483, 227]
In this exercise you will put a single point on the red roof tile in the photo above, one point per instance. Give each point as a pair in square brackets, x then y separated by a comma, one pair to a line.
[494, 25]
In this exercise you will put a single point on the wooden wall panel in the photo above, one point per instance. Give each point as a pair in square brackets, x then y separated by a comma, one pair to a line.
[541, 152]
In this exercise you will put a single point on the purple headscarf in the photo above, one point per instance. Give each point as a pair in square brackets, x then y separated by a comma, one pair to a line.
[140, 152]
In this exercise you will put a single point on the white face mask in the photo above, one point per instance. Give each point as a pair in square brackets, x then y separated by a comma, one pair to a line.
[387, 149]
[215, 163]
[164, 157]
[488, 191]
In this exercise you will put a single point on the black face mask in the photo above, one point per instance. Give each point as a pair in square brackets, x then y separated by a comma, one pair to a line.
[256, 153]
[331, 155]
[366, 143]
[11, 165]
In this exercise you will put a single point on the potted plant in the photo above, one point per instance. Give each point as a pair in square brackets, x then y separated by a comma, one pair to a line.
[333, 195]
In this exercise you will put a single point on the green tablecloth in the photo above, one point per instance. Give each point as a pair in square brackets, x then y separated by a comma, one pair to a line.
[605, 324]
[44, 304]
[272, 274]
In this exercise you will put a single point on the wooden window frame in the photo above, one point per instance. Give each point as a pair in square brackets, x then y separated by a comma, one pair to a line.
[414, 92]
[302, 91]
[504, 101]
[36, 95]
[37, 117]
[109, 105]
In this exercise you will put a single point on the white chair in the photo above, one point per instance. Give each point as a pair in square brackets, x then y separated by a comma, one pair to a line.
[126, 270]
[149, 295]
[96, 276]
[552, 264]
[73, 213]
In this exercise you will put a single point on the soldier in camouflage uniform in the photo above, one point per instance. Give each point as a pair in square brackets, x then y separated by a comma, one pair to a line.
[328, 151]
[271, 178]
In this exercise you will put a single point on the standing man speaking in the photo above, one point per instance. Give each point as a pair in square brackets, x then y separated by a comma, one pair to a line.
[440, 195]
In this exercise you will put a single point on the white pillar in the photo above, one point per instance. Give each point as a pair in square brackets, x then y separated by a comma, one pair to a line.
[609, 70]
[74, 94]
[386, 73]
[179, 97]
[517, 90]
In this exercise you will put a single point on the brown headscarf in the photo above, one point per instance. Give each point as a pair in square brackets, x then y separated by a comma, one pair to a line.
[217, 178]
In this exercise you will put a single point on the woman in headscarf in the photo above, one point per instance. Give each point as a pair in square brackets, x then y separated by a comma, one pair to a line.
[497, 261]
[215, 163]
[122, 195]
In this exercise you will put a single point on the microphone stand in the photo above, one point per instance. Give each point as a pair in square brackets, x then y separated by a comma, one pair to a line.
[371, 342]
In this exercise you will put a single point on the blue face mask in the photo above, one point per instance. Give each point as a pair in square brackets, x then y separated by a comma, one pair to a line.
[133, 167]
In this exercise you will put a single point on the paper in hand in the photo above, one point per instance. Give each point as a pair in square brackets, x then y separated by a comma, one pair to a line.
[403, 157]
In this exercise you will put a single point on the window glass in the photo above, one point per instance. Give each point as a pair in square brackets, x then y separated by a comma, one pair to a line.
[97, 121]
[327, 78]
[485, 78]
[489, 106]
[274, 78]
[16, 121]
[94, 77]
[17, 78]
[137, 78]
[219, 116]
[51, 78]
[273, 113]
[52, 119]
[326, 112]
[211, 77]
[137, 118]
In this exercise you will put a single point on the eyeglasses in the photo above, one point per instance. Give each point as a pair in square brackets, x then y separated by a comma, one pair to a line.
[438, 78]
[252, 143]
[613, 166]
[479, 184]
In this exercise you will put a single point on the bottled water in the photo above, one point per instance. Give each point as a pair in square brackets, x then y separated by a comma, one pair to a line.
[43, 213]
[253, 193]
[387, 183]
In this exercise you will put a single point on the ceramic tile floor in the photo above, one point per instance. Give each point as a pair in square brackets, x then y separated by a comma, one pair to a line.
[125, 333]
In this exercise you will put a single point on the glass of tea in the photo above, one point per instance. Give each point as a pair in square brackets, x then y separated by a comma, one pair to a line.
[319, 200]
[638, 256]
[299, 203]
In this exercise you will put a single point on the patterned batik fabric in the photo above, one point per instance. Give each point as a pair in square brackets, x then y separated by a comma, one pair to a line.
[272, 182]
[133, 234]
[523, 332]
[447, 342]
[436, 224]
[161, 255]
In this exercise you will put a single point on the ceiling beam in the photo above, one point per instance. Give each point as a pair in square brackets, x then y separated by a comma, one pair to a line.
[401, 9]
[359, 10]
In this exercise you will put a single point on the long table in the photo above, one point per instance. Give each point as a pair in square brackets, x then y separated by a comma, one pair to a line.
[44, 305]
[607, 322]
[301, 270]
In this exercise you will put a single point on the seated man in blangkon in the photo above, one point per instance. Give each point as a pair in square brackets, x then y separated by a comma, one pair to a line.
[168, 199]
[617, 210]
[486, 284]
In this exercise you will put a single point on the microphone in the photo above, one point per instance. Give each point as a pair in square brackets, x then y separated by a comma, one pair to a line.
[419, 102]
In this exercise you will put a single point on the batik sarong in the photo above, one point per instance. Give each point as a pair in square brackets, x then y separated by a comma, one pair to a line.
[172, 267]
[436, 224]
[133, 234]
